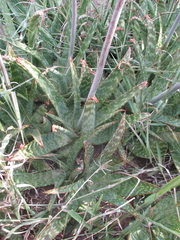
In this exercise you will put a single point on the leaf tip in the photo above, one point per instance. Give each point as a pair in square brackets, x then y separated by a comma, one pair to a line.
[54, 128]
[93, 98]
[144, 84]
[70, 59]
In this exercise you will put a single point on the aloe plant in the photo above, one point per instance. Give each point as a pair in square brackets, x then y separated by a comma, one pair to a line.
[63, 114]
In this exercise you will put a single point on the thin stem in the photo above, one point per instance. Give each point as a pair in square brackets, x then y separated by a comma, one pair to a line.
[106, 46]
[105, 50]
[73, 29]
[171, 32]
[167, 92]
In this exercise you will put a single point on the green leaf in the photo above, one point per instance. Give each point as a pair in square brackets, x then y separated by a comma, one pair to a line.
[173, 67]
[97, 204]
[4, 93]
[68, 188]
[170, 137]
[47, 37]
[157, 234]
[134, 225]
[77, 100]
[69, 133]
[83, 7]
[175, 232]
[140, 30]
[133, 188]
[92, 59]
[113, 144]
[87, 41]
[79, 143]
[161, 6]
[151, 8]
[36, 135]
[175, 151]
[137, 117]
[30, 103]
[39, 114]
[172, 108]
[114, 198]
[57, 225]
[151, 43]
[53, 228]
[20, 12]
[60, 179]
[67, 33]
[129, 76]
[59, 79]
[114, 107]
[168, 120]
[122, 152]
[88, 154]
[60, 120]
[159, 84]
[141, 59]
[138, 149]
[18, 78]
[88, 117]
[54, 96]
[37, 179]
[107, 133]
[140, 233]
[123, 186]
[39, 165]
[33, 28]
[108, 86]
[165, 212]
[4, 143]
[46, 125]
[162, 10]
[9, 26]
[167, 187]
[78, 218]
[51, 141]
[86, 79]
[25, 48]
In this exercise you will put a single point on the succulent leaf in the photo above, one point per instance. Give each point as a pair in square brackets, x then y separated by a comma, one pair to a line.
[111, 109]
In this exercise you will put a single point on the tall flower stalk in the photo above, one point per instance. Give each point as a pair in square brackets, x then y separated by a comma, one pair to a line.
[105, 50]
